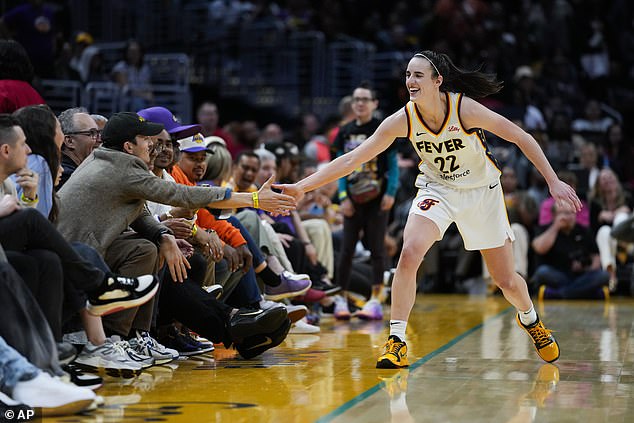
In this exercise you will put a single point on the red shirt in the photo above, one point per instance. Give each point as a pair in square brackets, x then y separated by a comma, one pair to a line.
[16, 94]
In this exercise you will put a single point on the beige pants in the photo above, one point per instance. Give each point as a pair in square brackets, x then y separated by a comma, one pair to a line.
[318, 231]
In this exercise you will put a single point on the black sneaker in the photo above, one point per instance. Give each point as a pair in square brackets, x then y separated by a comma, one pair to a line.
[249, 322]
[184, 344]
[255, 345]
[84, 380]
[119, 293]
[326, 286]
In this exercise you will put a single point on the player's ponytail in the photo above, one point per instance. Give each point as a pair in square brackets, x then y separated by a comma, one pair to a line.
[474, 84]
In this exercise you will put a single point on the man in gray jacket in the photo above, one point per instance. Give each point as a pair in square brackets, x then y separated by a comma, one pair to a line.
[106, 196]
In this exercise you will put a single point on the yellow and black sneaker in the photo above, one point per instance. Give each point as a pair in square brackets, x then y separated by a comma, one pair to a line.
[545, 343]
[395, 355]
[395, 384]
[545, 384]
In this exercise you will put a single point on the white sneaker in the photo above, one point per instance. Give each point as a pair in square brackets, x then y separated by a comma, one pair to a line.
[267, 305]
[342, 312]
[296, 312]
[146, 345]
[109, 356]
[302, 326]
[53, 396]
[6, 400]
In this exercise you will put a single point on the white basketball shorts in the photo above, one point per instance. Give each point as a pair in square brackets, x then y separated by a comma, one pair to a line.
[479, 213]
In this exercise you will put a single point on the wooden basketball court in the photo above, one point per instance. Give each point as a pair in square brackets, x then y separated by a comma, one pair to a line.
[469, 363]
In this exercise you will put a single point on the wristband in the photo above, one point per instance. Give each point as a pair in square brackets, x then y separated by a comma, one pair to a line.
[256, 201]
[26, 199]
[194, 230]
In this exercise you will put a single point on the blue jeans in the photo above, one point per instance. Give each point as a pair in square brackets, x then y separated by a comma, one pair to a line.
[570, 286]
[13, 368]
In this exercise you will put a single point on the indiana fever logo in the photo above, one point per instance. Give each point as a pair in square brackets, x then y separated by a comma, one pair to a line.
[427, 203]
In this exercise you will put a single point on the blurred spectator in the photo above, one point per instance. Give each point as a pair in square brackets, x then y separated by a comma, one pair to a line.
[16, 74]
[570, 266]
[91, 66]
[208, 118]
[82, 41]
[272, 133]
[134, 76]
[33, 25]
[546, 206]
[593, 123]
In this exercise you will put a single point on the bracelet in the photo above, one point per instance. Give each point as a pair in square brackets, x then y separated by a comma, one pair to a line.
[256, 201]
[26, 199]
[194, 230]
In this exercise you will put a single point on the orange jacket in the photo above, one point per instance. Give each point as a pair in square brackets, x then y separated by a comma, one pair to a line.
[225, 230]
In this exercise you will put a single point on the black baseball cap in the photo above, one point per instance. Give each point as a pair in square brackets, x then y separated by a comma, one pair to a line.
[125, 126]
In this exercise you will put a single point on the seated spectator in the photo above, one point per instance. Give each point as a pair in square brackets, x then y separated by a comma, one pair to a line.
[28, 229]
[610, 205]
[587, 169]
[546, 206]
[593, 124]
[192, 167]
[16, 74]
[101, 217]
[570, 267]
[133, 76]
[208, 117]
[81, 136]
[44, 136]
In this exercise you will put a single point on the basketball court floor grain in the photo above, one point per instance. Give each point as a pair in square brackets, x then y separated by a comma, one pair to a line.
[469, 362]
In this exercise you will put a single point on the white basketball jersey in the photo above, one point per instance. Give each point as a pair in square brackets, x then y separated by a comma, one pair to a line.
[451, 156]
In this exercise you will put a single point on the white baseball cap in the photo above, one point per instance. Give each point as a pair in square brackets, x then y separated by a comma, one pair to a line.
[193, 144]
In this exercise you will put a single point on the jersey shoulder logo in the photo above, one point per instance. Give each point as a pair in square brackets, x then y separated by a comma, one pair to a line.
[427, 203]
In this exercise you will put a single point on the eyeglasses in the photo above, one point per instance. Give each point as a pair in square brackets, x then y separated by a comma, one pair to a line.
[92, 133]
[362, 99]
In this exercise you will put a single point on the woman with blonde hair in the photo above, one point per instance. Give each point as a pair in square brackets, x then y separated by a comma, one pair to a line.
[610, 205]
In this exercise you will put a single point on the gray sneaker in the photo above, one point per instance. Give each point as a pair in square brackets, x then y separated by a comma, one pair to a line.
[143, 360]
[110, 356]
[146, 345]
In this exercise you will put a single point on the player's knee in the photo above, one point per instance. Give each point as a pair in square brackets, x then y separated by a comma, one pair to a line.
[505, 281]
[410, 257]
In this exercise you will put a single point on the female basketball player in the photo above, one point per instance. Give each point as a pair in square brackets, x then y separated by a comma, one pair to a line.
[458, 182]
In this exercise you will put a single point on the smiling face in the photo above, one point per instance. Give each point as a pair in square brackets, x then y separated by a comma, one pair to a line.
[420, 80]
[163, 150]
[193, 165]
[245, 171]
[141, 147]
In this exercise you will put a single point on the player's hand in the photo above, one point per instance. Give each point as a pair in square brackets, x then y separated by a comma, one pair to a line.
[565, 196]
[290, 189]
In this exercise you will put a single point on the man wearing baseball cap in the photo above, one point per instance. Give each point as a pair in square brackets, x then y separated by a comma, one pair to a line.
[173, 127]
[106, 195]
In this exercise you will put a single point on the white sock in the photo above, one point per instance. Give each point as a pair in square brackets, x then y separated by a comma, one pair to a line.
[397, 328]
[529, 316]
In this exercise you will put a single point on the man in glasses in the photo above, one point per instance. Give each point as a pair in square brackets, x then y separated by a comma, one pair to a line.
[81, 137]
